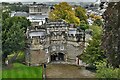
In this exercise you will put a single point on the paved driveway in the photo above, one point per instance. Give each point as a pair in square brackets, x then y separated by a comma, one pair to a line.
[67, 71]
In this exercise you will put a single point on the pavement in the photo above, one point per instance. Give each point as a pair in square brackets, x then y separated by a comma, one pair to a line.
[67, 71]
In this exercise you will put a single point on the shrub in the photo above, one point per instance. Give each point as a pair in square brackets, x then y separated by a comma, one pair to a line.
[106, 71]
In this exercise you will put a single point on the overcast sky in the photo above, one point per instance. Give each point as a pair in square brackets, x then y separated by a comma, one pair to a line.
[47, 0]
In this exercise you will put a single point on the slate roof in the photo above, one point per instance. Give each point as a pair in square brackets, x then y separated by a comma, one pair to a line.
[37, 33]
[25, 14]
[38, 17]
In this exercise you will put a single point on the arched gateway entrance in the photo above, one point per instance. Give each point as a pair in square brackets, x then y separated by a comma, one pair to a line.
[57, 57]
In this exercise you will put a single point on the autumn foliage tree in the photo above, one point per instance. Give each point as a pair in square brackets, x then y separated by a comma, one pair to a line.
[65, 12]
[81, 14]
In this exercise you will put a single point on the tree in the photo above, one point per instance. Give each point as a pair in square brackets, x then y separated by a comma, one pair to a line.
[98, 22]
[19, 7]
[93, 52]
[64, 11]
[106, 71]
[111, 34]
[81, 14]
[5, 3]
[84, 26]
[70, 18]
[15, 39]
[13, 35]
[5, 15]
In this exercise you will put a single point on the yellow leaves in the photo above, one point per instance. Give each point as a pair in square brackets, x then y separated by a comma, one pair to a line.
[60, 11]
[81, 13]
[71, 18]
[81, 9]
[64, 11]
[77, 21]
[92, 15]
[52, 16]
[97, 17]
[63, 6]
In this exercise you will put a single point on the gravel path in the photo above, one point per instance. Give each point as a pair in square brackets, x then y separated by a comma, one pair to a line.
[67, 71]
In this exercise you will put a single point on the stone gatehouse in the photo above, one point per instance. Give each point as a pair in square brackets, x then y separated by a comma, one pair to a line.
[53, 42]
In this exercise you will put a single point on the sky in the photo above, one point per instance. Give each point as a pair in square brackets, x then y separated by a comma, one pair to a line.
[47, 0]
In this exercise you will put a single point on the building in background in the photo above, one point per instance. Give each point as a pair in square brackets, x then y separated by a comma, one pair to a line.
[38, 13]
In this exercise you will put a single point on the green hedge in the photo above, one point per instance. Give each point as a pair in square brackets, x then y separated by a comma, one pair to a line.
[104, 71]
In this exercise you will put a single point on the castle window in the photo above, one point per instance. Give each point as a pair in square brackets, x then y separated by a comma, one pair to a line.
[46, 50]
[39, 9]
[53, 48]
[62, 47]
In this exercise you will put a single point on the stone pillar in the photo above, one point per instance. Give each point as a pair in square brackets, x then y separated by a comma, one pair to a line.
[65, 58]
[77, 61]
[48, 59]
[80, 62]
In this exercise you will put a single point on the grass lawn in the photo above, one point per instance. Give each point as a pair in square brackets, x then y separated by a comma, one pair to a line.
[22, 71]
[0, 74]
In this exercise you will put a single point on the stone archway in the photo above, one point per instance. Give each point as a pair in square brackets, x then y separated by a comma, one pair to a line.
[58, 57]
